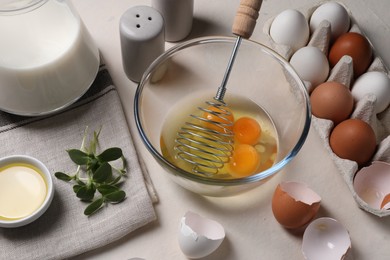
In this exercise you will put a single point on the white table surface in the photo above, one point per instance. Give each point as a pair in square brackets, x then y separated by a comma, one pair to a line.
[252, 232]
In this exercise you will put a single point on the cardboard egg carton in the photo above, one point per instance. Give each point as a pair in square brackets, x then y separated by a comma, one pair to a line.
[342, 72]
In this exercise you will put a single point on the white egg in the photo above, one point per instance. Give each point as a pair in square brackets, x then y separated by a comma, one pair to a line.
[311, 65]
[325, 239]
[198, 236]
[377, 83]
[335, 14]
[290, 28]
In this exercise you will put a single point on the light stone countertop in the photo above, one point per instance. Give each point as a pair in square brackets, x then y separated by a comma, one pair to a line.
[252, 232]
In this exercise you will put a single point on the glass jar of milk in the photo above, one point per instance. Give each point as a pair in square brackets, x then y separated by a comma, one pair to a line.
[47, 58]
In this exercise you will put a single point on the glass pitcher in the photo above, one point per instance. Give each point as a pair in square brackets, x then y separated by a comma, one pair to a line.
[47, 58]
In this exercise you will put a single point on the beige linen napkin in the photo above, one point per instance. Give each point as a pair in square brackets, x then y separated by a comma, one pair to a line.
[63, 230]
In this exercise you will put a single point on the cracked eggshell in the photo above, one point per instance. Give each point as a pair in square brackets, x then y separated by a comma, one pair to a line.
[372, 185]
[325, 239]
[199, 236]
[294, 204]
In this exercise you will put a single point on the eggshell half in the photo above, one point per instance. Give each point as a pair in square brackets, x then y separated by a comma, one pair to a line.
[372, 185]
[325, 239]
[294, 204]
[198, 236]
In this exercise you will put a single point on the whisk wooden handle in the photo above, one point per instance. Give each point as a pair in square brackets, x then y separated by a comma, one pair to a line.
[246, 16]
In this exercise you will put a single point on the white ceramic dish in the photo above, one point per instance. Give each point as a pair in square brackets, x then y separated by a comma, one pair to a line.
[28, 160]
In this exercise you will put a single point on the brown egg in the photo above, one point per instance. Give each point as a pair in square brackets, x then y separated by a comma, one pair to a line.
[294, 204]
[354, 45]
[332, 100]
[353, 139]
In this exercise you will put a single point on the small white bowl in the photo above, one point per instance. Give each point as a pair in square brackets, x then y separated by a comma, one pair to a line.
[24, 159]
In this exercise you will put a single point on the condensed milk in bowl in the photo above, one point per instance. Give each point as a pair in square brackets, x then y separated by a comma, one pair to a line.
[47, 58]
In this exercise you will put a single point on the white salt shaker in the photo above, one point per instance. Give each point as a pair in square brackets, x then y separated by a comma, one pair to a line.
[142, 39]
[178, 16]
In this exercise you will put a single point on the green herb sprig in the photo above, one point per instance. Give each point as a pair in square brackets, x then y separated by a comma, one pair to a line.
[94, 173]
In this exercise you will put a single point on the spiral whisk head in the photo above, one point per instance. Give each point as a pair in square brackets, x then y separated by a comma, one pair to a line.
[206, 141]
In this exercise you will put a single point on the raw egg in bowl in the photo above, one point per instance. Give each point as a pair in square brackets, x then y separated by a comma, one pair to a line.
[266, 100]
[26, 190]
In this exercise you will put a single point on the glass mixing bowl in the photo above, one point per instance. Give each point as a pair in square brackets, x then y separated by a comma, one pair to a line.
[198, 66]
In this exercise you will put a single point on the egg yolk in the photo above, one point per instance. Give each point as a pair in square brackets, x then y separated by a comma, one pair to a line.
[247, 130]
[222, 116]
[244, 161]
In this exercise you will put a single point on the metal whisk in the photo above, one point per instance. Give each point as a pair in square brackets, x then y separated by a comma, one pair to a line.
[205, 143]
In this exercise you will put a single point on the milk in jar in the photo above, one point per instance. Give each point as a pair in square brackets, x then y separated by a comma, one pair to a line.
[47, 58]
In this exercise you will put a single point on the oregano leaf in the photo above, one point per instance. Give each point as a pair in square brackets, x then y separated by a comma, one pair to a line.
[102, 173]
[116, 196]
[116, 180]
[80, 182]
[94, 206]
[93, 164]
[86, 193]
[110, 154]
[105, 189]
[63, 176]
[78, 156]
[76, 188]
